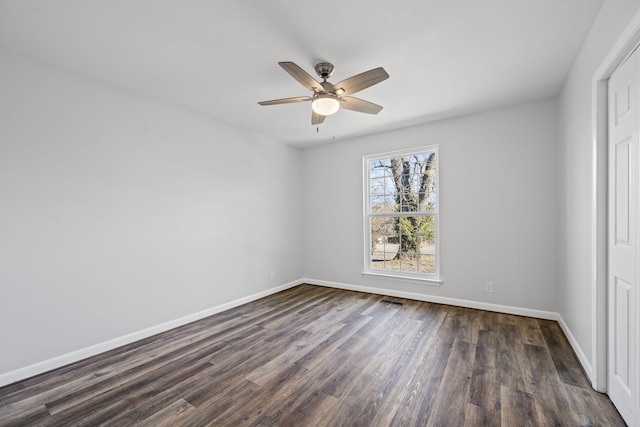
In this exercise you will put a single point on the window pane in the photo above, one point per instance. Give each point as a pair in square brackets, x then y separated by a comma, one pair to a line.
[382, 196]
[427, 202]
[379, 168]
[382, 247]
[427, 254]
[377, 187]
[376, 202]
[404, 244]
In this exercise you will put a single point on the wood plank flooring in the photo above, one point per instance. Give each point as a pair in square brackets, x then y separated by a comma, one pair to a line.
[315, 356]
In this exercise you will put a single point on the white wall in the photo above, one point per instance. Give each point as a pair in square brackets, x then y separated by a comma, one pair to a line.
[498, 206]
[118, 213]
[577, 172]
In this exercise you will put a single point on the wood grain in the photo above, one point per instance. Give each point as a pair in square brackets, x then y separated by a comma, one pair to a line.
[315, 356]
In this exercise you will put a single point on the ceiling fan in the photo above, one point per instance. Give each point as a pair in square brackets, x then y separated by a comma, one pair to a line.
[328, 98]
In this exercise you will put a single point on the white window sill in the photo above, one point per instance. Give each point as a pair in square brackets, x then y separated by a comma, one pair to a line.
[433, 281]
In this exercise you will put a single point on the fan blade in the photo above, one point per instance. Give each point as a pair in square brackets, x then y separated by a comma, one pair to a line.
[286, 100]
[360, 81]
[301, 76]
[359, 105]
[316, 118]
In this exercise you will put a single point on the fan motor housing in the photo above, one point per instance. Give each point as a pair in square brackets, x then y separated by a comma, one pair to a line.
[324, 69]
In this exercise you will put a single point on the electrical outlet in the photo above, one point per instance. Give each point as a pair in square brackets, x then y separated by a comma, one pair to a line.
[488, 286]
[273, 275]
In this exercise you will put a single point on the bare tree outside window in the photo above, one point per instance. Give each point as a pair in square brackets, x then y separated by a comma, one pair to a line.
[402, 212]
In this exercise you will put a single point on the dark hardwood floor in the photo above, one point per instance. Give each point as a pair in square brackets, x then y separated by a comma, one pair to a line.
[315, 356]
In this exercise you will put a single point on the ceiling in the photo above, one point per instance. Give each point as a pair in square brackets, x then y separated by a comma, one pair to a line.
[219, 58]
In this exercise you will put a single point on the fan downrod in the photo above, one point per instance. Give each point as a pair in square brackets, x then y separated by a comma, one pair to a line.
[324, 69]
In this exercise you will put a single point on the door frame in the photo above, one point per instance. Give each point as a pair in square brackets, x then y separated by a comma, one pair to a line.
[626, 43]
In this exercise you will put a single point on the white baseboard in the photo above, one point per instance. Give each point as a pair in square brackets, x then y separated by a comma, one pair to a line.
[75, 356]
[529, 312]
[539, 314]
[584, 361]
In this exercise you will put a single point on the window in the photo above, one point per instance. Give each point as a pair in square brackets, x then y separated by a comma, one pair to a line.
[401, 214]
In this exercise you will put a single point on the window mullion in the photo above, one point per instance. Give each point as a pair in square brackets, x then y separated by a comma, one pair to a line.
[400, 214]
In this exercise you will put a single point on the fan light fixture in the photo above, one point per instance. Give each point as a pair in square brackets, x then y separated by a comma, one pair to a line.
[325, 104]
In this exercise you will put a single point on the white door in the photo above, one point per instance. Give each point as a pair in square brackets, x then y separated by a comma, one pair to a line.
[624, 160]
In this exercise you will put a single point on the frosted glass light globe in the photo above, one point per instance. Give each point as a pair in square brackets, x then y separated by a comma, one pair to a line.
[325, 105]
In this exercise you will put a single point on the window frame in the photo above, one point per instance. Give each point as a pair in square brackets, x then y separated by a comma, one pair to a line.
[432, 279]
